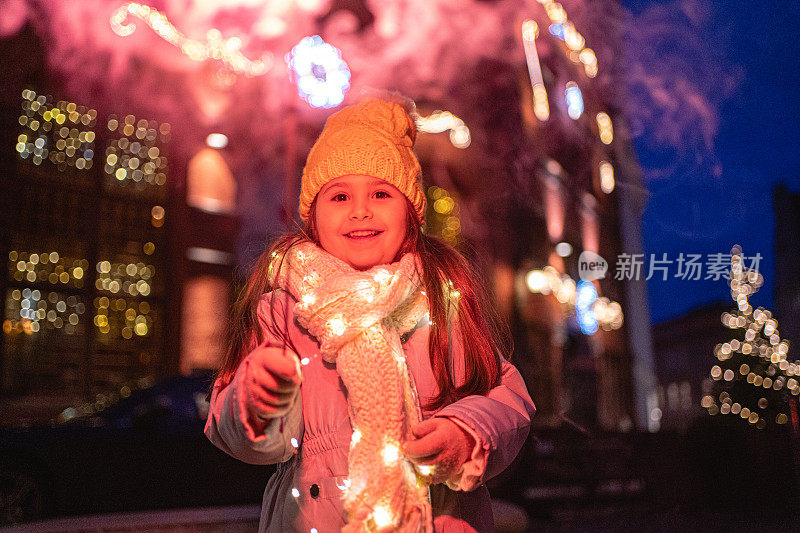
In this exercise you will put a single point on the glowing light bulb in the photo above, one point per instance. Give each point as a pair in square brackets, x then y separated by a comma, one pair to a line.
[575, 41]
[460, 137]
[589, 60]
[382, 516]
[557, 30]
[564, 249]
[541, 107]
[355, 438]
[574, 99]
[390, 453]
[217, 140]
[536, 280]
[606, 177]
[530, 30]
[336, 325]
[295, 492]
[309, 299]
[605, 127]
[308, 5]
[440, 121]
[426, 470]
[382, 276]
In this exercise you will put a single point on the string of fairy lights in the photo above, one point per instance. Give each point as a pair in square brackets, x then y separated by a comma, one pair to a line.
[381, 516]
[576, 50]
[591, 311]
[753, 372]
[214, 47]
[441, 121]
[562, 28]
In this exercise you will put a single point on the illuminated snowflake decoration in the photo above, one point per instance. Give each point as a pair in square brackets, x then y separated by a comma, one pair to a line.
[321, 75]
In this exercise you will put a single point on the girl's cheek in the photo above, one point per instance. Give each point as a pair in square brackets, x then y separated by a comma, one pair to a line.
[326, 220]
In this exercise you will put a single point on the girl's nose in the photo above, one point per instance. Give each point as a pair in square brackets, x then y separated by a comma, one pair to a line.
[360, 211]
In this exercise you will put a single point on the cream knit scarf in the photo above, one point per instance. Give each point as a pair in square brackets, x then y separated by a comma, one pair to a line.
[358, 318]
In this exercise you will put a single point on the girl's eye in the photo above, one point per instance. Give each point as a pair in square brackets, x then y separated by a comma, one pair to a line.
[382, 194]
[341, 197]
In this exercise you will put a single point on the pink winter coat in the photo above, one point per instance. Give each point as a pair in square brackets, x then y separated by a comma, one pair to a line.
[318, 423]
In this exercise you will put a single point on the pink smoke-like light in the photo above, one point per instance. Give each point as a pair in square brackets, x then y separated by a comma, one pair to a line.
[426, 49]
[14, 16]
[676, 84]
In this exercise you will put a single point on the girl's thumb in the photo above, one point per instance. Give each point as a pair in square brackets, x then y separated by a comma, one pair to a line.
[423, 428]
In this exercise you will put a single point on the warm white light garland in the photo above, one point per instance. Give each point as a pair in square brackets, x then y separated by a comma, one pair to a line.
[215, 47]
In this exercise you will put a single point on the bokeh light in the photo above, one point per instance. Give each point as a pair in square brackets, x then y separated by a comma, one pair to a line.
[321, 75]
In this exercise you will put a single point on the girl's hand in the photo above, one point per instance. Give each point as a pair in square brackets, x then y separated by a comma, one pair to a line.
[442, 444]
[271, 382]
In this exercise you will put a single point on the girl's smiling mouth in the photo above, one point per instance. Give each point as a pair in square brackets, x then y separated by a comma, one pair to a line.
[363, 234]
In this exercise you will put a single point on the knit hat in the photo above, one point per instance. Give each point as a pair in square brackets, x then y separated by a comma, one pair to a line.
[374, 138]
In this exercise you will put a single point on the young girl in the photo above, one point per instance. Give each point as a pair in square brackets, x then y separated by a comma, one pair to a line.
[361, 357]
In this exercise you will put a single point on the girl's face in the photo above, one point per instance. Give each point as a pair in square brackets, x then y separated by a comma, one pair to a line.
[361, 220]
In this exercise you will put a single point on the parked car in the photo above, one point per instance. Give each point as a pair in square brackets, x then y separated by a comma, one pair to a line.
[140, 450]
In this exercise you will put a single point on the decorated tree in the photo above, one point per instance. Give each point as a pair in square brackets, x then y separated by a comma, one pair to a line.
[753, 378]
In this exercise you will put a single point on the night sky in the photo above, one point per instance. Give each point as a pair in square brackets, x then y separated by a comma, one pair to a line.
[756, 148]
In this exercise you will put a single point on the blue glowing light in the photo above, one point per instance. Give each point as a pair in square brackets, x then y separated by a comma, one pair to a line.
[558, 31]
[321, 75]
[585, 297]
[574, 100]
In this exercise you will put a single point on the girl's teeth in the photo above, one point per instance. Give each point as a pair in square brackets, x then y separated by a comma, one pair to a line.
[362, 233]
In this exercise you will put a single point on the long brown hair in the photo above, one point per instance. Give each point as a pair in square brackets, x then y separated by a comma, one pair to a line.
[485, 339]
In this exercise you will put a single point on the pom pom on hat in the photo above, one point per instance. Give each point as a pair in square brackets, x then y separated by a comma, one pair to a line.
[374, 138]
